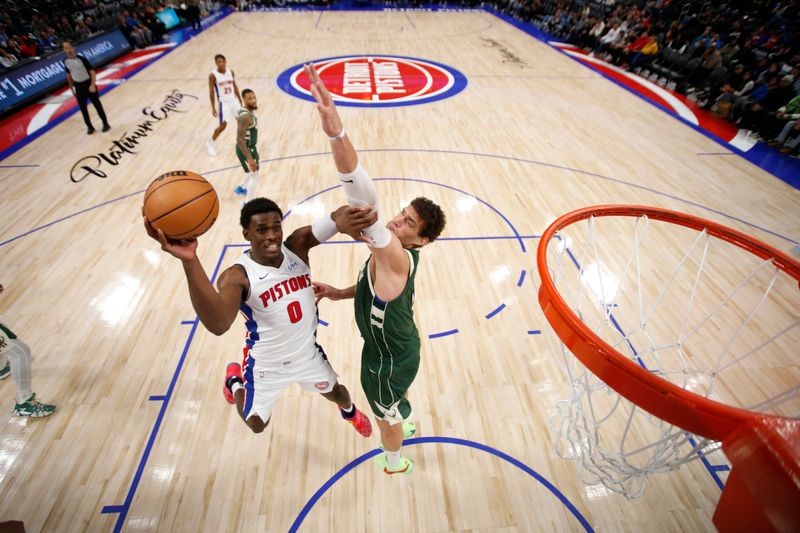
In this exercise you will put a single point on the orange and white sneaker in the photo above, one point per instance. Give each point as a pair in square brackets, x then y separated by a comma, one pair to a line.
[233, 373]
[359, 421]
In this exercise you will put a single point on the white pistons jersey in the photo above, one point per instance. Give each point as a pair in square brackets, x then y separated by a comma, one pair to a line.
[280, 310]
[223, 84]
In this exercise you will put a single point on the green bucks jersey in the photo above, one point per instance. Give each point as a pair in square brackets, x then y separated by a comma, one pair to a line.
[388, 328]
[251, 136]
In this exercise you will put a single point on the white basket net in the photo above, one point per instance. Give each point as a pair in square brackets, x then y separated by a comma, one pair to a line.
[693, 309]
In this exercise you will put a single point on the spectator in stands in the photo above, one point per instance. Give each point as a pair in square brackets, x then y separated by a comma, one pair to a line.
[647, 53]
[27, 47]
[795, 73]
[64, 28]
[712, 60]
[81, 31]
[37, 24]
[730, 51]
[746, 56]
[48, 40]
[635, 55]
[42, 42]
[756, 116]
[735, 79]
[140, 34]
[738, 85]
[147, 16]
[772, 123]
[735, 32]
[91, 24]
[612, 36]
[788, 141]
[773, 69]
[596, 32]
[704, 38]
[674, 39]
[578, 32]
[759, 37]
[193, 14]
[7, 59]
[14, 47]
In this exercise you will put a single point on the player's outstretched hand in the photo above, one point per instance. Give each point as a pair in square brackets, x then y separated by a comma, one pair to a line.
[331, 123]
[323, 290]
[351, 219]
[184, 249]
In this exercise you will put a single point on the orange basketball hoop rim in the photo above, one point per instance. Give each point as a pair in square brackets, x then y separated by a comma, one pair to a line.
[763, 449]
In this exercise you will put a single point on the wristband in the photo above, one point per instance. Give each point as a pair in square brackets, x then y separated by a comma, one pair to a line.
[337, 137]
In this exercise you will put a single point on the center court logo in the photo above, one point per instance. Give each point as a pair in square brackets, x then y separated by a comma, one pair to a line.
[377, 80]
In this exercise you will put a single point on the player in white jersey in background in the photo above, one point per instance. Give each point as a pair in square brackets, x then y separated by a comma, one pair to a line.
[225, 99]
[271, 286]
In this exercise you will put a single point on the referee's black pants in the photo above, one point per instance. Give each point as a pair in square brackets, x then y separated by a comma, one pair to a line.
[82, 93]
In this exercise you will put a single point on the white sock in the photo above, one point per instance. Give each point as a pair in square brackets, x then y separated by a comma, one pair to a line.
[393, 459]
[360, 190]
[236, 386]
[251, 183]
[19, 355]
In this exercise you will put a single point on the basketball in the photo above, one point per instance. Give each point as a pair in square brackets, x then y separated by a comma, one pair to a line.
[181, 203]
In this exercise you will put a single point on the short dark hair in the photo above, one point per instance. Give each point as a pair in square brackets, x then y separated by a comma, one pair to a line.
[219, 56]
[246, 91]
[432, 216]
[255, 207]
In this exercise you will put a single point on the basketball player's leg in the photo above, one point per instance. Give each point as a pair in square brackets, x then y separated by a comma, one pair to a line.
[254, 392]
[254, 422]
[19, 361]
[391, 435]
[386, 389]
[5, 345]
[318, 375]
[249, 184]
[222, 114]
[223, 123]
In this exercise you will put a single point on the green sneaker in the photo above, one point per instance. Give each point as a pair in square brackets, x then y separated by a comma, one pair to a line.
[33, 408]
[5, 371]
[406, 465]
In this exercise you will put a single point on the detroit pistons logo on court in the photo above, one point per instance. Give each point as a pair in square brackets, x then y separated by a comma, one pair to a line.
[377, 80]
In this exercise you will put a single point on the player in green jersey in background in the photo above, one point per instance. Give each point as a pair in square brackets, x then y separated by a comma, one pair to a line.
[246, 139]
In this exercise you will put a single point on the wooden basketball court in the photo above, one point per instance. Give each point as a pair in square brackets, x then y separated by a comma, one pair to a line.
[143, 439]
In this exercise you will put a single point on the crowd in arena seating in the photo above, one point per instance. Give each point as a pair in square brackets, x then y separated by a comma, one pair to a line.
[737, 58]
[30, 29]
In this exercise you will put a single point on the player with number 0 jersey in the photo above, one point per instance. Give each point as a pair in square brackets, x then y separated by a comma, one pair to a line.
[270, 284]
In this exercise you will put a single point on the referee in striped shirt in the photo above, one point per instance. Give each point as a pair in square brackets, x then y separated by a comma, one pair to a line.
[81, 78]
